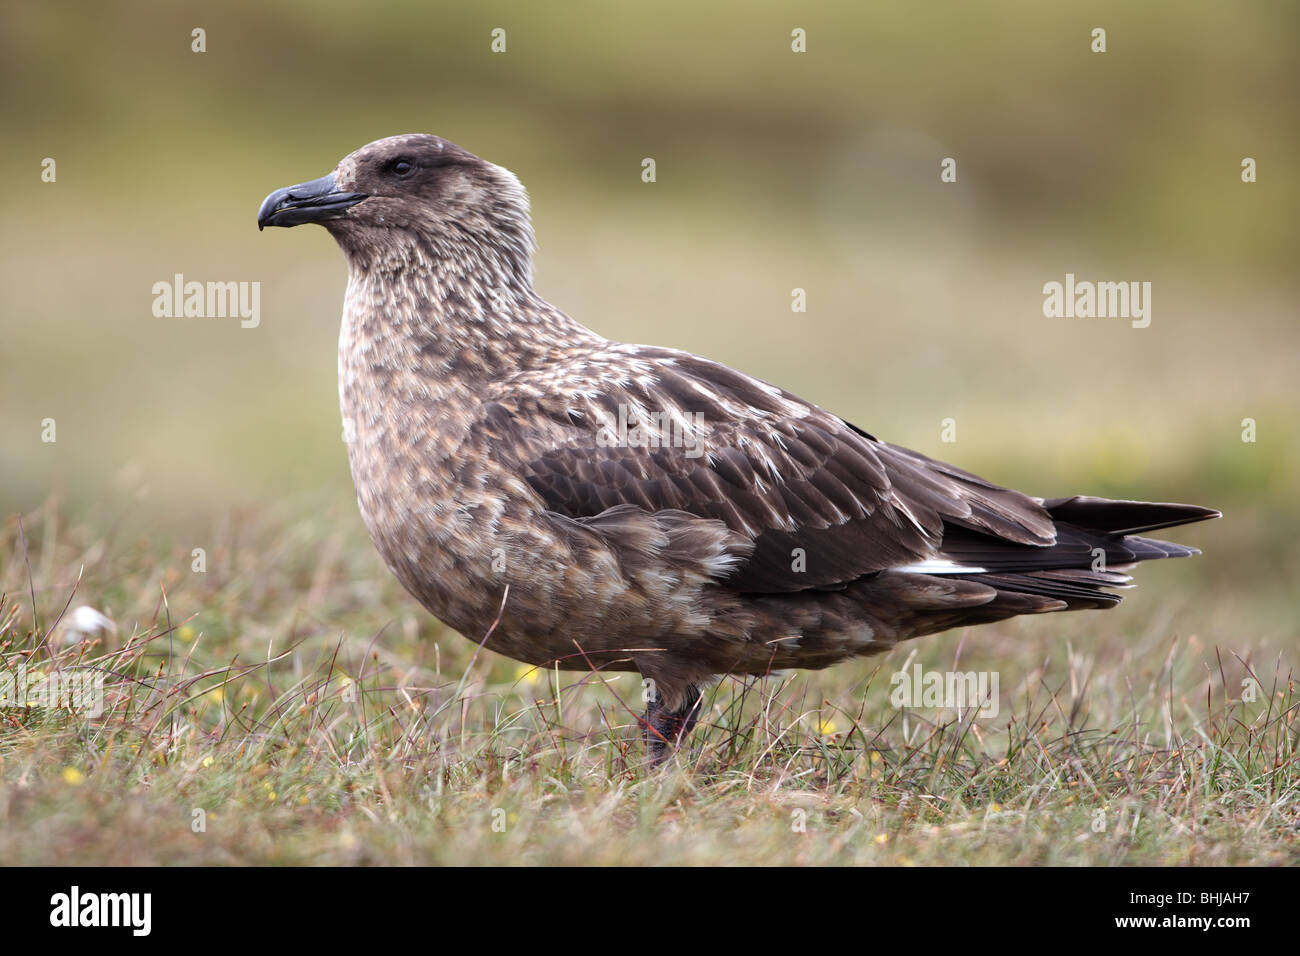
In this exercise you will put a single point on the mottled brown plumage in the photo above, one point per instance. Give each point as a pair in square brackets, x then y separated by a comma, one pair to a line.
[500, 470]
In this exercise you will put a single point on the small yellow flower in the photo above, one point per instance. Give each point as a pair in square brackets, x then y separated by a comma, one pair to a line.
[528, 674]
[73, 777]
[994, 807]
[825, 727]
[186, 633]
[882, 838]
[208, 761]
[217, 695]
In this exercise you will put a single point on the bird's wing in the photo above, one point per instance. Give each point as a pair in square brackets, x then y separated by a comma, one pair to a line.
[823, 502]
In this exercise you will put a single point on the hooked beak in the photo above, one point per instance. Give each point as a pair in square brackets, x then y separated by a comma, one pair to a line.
[316, 201]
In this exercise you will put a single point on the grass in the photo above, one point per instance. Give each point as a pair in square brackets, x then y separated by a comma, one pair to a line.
[290, 705]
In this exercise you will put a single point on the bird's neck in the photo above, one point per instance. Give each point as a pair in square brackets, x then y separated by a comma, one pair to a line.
[445, 329]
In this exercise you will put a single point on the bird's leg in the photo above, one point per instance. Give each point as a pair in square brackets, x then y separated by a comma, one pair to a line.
[665, 729]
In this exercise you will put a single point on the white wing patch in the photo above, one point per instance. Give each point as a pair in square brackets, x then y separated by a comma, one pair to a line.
[940, 566]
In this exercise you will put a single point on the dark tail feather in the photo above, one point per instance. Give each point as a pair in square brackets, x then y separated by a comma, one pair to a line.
[1078, 589]
[1124, 517]
[1065, 571]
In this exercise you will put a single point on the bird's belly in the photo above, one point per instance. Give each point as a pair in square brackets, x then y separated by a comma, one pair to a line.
[457, 535]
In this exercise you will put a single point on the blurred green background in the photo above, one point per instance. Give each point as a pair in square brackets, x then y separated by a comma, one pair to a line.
[776, 170]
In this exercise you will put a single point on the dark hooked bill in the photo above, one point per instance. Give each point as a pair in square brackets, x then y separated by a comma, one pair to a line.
[316, 201]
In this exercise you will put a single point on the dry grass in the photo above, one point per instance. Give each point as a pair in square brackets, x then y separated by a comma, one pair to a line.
[259, 698]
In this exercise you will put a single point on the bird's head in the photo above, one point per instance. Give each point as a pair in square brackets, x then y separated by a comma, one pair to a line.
[412, 198]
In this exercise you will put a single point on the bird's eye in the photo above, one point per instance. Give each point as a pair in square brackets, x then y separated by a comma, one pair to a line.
[403, 167]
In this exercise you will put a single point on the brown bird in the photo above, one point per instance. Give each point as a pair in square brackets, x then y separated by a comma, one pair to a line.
[596, 505]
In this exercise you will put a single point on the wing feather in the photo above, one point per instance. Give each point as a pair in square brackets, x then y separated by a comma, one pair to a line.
[784, 473]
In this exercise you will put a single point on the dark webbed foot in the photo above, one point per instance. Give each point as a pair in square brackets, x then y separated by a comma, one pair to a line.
[665, 729]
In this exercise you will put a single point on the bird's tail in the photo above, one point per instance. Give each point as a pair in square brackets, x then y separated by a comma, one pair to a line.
[1125, 517]
[1097, 541]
